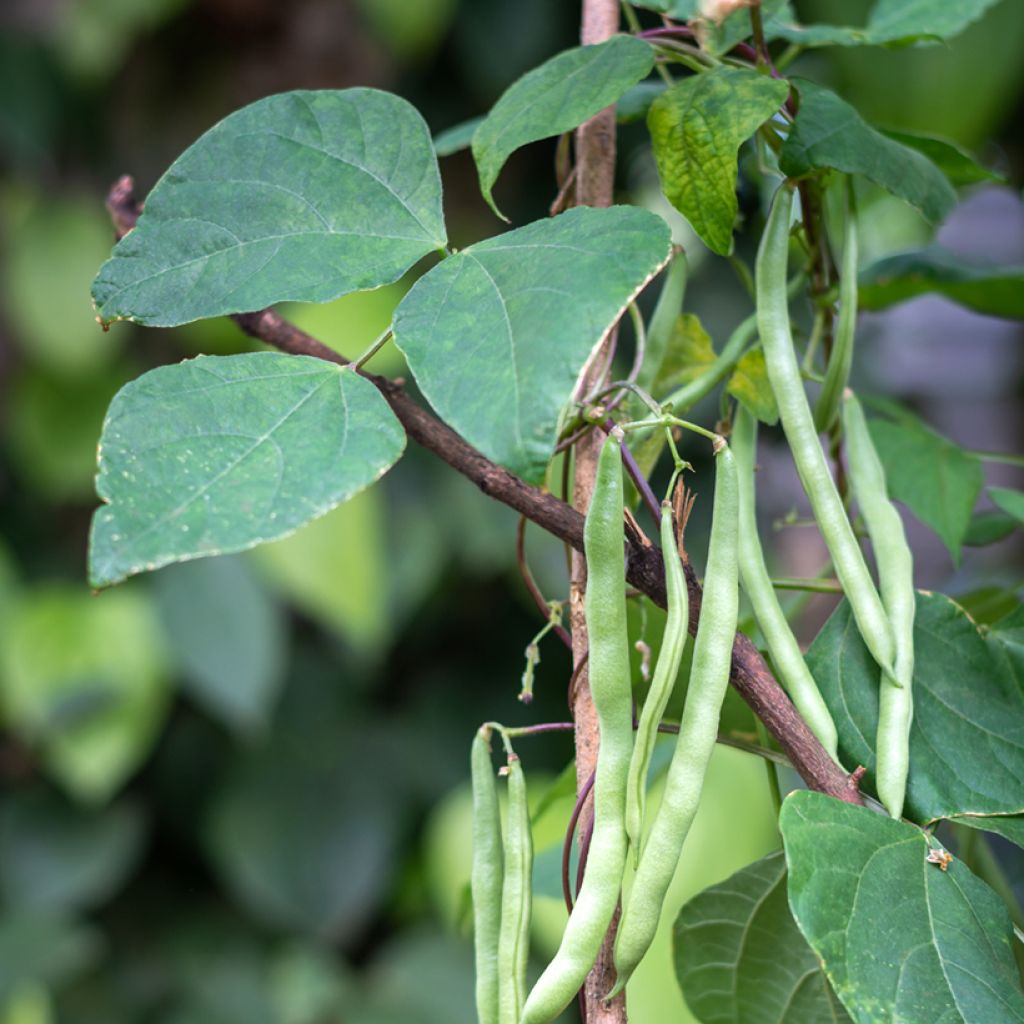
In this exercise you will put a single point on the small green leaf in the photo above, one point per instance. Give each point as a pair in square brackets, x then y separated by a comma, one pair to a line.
[721, 38]
[906, 21]
[829, 133]
[228, 636]
[554, 98]
[955, 162]
[696, 129]
[935, 479]
[43, 949]
[456, 138]
[218, 454]
[635, 102]
[82, 681]
[689, 352]
[304, 196]
[901, 938]
[1009, 500]
[988, 527]
[497, 334]
[992, 290]
[749, 383]
[966, 741]
[739, 956]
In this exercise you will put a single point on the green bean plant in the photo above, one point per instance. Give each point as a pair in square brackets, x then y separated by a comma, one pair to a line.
[556, 358]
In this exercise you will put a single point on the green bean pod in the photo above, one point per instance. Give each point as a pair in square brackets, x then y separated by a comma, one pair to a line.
[896, 579]
[516, 899]
[785, 651]
[673, 642]
[798, 424]
[837, 374]
[609, 673]
[486, 877]
[663, 320]
[698, 730]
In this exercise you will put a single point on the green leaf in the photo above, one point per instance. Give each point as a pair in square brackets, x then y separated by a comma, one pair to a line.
[218, 454]
[497, 334]
[750, 385]
[337, 571]
[935, 479]
[740, 958]
[228, 636]
[1010, 501]
[304, 196]
[719, 39]
[966, 741]
[696, 128]
[56, 857]
[680, 10]
[456, 138]
[900, 938]
[829, 133]
[994, 291]
[1007, 634]
[988, 527]
[689, 352]
[955, 162]
[43, 950]
[554, 98]
[82, 681]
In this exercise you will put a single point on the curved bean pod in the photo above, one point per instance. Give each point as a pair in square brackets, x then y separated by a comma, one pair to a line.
[785, 651]
[486, 877]
[798, 424]
[516, 899]
[672, 645]
[604, 544]
[698, 730]
[663, 320]
[896, 579]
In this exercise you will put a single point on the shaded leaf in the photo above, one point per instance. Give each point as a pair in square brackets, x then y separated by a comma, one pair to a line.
[829, 133]
[994, 291]
[42, 949]
[1009, 501]
[458, 137]
[967, 736]
[82, 681]
[635, 102]
[740, 958]
[1007, 634]
[554, 98]
[696, 129]
[228, 636]
[900, 938]
[750, 385]
[304, 196]
[988, 527]
[218, 454]
[56, 857]
[935, 479]
[955, 162]
[721, 38]
[689, 352]
[497, 335]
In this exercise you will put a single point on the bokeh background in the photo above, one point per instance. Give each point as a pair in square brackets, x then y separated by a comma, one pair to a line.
[235, 791]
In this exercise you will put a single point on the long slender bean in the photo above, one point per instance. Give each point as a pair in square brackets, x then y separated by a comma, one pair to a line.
[837, 374]
[663, 320]
[798, 424]
[486, 877]
[671, 655]
[604, 545]
[698, 730]
[896, 579]
[516, 899]
[785, 651]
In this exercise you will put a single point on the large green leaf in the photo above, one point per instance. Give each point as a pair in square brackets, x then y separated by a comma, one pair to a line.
[556, 97]
[497, 334]
[1008, 636]
[955, 162]
[218, 454]
[303, 196]
[229, 638]
[829, 133]
[901, 938]
[935, 479]
[995, 291]
[82, 681]
[967, 737]
[740, 958]
[56, 857]
[1009, 501]
[696, 128]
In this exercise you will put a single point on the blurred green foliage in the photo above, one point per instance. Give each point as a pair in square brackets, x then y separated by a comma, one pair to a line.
[234, 792]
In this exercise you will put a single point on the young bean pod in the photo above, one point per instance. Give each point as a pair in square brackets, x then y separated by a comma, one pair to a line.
[896, 579]
[798, 424]
[604, 544]
[485, 877]
[516, 899]
[673, 643]
[785, 651]
[663, 320]
[698, 730]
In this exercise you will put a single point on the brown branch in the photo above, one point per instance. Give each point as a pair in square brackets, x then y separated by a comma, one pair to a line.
[645, 569]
